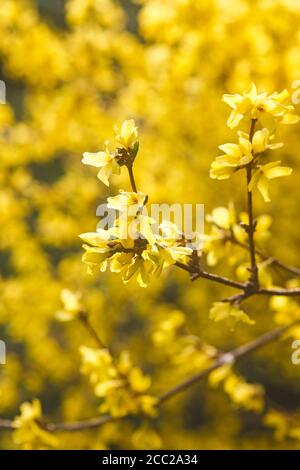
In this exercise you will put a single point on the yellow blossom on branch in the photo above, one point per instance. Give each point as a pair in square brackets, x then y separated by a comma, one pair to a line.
[127, 134]
[225, 310]
[121, 386]
[104, 160]
[267, 109]
[127, 201]
[72, 305]
[241, 393]
[29, 433]
[239, 155]
[267, 172]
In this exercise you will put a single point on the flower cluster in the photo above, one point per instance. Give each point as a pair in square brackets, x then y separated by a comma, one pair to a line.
[133, 245]
[249, 152]
[111, 162]
[225, 310]
[122, 387]
[241, 393]
[29, 433]
[284, 425]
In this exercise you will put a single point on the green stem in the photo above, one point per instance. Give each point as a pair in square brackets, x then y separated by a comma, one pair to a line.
[131, 176]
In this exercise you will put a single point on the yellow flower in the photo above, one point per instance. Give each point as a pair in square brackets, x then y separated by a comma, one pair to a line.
[127, 135]
[219, 375]
[239, 155]
[248, 396]
[222, 217]
[96, 258]
[131, 246]
[261, 141]
[268, 109]
[121, 386]
[127, 201]
[134, 230]
[223, 310]
[72, 305]
[29, 434]
[263, 174]
[104, 160]
[236, 156]
[141, 269]
[278, 421]
[243, 394]
[101, 246]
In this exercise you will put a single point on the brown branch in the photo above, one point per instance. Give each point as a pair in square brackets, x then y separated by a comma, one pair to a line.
[285, 292]
[248, 289]
[251, 223]
[224, 358]
[92, 423]
[196, 273]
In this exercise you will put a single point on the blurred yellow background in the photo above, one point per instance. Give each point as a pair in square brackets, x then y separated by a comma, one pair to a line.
[73, 69]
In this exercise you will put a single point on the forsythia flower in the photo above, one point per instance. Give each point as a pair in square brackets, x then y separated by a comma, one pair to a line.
[104, 160]
[243, 394]
[121, 386]
[267, 109]
[278, 421]
[29, 432]
[127, 134]
[286, 311]
[263, 174]
[236, 155]
[239, 155]
[283, 424]
[127, 201]
[248, 396]
[224, 310]
[130, 245]
[72, 305]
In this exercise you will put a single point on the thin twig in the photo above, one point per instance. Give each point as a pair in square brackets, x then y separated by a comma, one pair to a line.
[196, 273]
[79, 425]
[284, 292]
